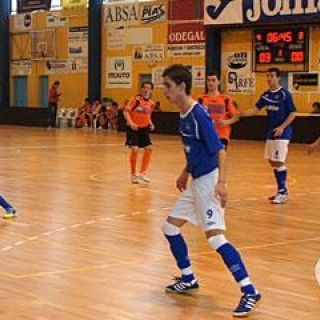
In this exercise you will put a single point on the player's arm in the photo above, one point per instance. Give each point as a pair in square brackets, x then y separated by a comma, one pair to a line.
[151, 124]
[314, 146]
[126, 113]
[279, 130]
[221, 186]
[182, 180]
[233, 113]
[249, 112]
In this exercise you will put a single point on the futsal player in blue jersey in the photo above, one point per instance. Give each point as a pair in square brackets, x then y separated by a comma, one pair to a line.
[281, 111]
[203, 201]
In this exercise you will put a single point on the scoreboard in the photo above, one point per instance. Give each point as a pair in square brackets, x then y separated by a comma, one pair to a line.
[286, 48]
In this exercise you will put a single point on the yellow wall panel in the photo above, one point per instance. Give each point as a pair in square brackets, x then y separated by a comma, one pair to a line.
[75, 86]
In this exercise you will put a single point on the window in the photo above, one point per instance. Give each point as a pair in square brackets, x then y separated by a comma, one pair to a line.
[114, 1]
[55, 4]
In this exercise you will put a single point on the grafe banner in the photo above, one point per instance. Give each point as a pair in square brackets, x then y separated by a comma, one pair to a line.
[32, 5]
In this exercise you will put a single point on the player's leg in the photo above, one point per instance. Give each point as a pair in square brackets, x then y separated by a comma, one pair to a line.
[233, 261]
[276, 152]
[52, 115]
[10, 210]
[133, 164]
[211, 218]
[225, 142]
[132, 140]
[145, 143]
[181, 213]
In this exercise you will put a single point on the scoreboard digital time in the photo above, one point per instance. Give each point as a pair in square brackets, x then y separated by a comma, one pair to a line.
[285, 47]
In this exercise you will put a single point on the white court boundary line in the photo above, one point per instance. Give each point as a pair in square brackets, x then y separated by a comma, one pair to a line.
[317, 270]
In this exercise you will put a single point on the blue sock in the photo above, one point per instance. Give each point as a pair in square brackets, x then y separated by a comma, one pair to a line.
[281, 177]
[233, 261]
[4, 204]
[179, 250]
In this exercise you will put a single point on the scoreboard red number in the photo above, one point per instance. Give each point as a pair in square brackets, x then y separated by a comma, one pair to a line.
[265, 57]
[275, 37]
[297, 56]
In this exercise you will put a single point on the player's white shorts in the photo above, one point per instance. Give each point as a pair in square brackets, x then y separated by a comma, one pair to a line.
[199, 205]
[276, 150]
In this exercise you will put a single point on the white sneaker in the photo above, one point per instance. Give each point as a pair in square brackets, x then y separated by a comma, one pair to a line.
[135, 179]
[280, 198]
[144, 179]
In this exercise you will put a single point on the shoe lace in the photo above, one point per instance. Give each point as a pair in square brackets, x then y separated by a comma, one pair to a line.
[243, 301]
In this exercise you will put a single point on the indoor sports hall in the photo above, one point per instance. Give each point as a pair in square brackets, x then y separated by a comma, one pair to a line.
[79, 238]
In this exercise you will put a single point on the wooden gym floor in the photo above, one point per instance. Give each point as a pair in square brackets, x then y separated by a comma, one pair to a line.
[88, 244]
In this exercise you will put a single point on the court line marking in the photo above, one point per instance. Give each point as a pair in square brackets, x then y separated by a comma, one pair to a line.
[317, 271]
[60, 146]
[63, 146]
[120, 216]
[134, 213]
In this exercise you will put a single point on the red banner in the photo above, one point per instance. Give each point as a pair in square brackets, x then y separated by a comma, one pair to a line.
[186, 33]
[186, 9]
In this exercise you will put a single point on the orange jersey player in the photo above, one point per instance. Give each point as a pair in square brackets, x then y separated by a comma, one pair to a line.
[137, 113]
[220, 107]
[140, 109]
[83, 113]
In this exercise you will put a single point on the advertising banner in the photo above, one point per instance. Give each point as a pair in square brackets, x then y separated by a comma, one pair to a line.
[21, 68]
[149, 52]
[22, 22]
[240, 78]
[78, 42]
[186, 10]
[186, 39]
[119, 72]
[67, 66]
[56, 20]
[259, 12]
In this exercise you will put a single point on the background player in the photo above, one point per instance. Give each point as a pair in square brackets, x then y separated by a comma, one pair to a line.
[53, 99]
[203, 202]
[137, 113]
[220, 107]
[281, 111]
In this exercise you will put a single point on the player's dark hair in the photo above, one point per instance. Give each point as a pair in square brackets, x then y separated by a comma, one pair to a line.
[275, 70]
[213, 74]
[178, 73]
[147, 82]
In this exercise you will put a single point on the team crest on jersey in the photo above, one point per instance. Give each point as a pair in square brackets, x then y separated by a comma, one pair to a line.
[187, 148]
[273, 108]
